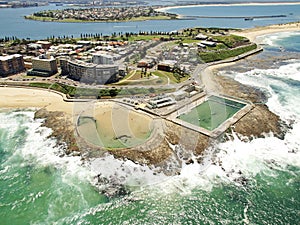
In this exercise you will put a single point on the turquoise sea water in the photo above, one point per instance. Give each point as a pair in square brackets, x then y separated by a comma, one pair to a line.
[12, 22]
[37, 186]
[254, 182]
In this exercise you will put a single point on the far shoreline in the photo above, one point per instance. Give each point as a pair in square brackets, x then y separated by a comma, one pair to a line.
[253, 33]
[165, 9]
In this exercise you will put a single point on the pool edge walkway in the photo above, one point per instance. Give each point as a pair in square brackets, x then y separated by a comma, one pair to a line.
[221, 128]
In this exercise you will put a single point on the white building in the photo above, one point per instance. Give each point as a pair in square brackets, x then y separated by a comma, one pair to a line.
[201, 37]
[209, 43]
[179, 95]
[43, 65]
[89, 72]
[99, 58]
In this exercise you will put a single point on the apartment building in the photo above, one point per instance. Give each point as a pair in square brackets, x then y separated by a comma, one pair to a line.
[43, 65]
[11, 64]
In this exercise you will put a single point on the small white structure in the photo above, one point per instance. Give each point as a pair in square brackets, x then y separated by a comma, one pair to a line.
[201, 45]
[84, 43]
[160, 102]
[179, 95]
[201, 37]
[209, 43]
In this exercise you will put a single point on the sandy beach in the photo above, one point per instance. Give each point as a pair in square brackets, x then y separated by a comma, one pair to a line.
[253, 33]
[33, 98]
[167, 8]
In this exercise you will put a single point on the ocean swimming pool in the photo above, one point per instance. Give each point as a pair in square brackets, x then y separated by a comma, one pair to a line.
[212, 113]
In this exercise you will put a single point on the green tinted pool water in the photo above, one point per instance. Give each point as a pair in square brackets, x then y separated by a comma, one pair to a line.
[212, 113]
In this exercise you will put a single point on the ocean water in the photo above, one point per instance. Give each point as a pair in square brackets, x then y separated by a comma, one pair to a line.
[253, 182]
[34, 30]
[37, 186]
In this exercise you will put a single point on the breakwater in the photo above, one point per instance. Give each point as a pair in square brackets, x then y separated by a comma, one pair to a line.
[234, 17]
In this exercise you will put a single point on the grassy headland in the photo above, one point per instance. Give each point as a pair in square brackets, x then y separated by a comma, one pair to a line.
[225, 53]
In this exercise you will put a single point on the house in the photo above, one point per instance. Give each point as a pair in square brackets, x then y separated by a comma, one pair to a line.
[209, 43]
[201, 45]
[201, 37]
[44, 44]
[146, 63]
[83, 43]
[166, 65]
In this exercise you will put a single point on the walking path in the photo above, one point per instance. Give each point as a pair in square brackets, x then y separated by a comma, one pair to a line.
[206, 70]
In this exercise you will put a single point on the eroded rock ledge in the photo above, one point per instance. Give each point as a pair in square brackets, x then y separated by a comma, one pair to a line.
[260, 120]
[163, 152]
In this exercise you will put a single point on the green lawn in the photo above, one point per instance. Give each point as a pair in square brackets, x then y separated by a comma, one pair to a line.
[190, 41]
[212, 113]
[225, 53]
[230, 40]
[170, 75]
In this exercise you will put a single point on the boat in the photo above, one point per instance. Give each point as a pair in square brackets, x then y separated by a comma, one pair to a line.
[249, 18]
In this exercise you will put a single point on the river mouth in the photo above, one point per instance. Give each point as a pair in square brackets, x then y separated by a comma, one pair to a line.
[113, 126]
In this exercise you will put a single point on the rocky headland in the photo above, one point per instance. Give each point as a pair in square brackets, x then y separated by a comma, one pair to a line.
[176, 145]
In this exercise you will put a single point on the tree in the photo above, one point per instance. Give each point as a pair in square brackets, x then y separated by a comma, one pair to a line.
[113, 92]
[151, 90]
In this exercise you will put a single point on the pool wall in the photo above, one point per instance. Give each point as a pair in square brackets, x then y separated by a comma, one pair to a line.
[247, 106]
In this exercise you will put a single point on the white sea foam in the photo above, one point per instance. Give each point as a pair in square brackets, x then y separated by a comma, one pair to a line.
[289, 71]
[236, 161]
[125, 172]
[38, 148]
[272, 39]
[228, 162]
[284, 100]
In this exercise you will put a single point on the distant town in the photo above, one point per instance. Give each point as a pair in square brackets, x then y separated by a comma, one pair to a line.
[96, 3]
[103, 14]
[83, 3]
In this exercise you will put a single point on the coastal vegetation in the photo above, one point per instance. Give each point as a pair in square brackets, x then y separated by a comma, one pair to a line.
[107, 14]
[94, 93]
[137, 77]
[225, 53]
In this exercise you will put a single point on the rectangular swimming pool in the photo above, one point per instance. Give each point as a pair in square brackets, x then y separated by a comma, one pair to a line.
[212, 113]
